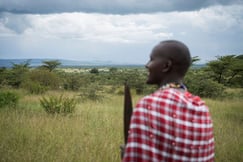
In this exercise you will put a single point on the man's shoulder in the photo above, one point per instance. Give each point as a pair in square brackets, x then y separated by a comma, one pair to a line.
[158, 95]
[173, 95]
[167, 93]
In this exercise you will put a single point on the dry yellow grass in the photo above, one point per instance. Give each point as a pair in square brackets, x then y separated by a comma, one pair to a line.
[95, 131]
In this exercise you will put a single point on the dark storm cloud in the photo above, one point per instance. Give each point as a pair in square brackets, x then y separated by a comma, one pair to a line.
[106, 6]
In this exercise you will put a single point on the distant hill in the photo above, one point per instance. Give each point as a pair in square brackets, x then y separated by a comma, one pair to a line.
[198, 66]
[8, 63]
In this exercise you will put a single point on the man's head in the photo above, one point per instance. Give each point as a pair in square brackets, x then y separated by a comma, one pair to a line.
[169, 62]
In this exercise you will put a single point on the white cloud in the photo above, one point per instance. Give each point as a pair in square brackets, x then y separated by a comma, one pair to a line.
[208, 32]
[91, 27]
[219, 18]
[123, 28]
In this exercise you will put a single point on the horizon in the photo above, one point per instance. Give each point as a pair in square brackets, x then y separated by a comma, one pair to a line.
[33, 63]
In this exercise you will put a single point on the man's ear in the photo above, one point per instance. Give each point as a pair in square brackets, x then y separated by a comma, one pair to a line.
[167, 66]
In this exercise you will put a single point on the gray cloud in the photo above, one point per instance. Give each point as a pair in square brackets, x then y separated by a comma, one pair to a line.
[18, 24]
[105, 6]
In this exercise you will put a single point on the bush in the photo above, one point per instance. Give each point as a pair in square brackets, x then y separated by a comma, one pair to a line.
[72, 82]
[34, 87]
[9, 99]
[94, 71]
[200, 84]
[233, 93]
[44, 78]
[208, 88]
[92, 92]
[58, 105]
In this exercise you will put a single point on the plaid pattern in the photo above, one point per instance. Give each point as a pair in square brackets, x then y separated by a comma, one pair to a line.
[171, 126]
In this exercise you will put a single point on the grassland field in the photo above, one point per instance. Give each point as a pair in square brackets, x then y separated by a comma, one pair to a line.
[95, 131]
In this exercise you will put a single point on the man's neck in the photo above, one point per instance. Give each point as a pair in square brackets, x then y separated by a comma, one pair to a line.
[170, 80]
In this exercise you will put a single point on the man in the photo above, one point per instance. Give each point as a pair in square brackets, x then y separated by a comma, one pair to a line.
[171, 124]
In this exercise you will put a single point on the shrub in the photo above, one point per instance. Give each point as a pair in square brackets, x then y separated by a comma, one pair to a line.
[94, 71]
[8, 99]
[58, 105]
[72, 82]
[44, 78]
[208, 88]
[92, 92]
[200, 84]
[34, 87]
[233, 93]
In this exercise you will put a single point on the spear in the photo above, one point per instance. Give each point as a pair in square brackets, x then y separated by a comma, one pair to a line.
[127, 110]
[127, 115]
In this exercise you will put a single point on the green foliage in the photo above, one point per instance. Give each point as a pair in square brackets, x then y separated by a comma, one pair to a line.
[94, 71]
[51, 65]
[3, 76]
[198, 82]
[134, 77]
[195, 59]
[92, 92]
[227, 70]
[209, 89]
[58, 105]
[43, 79]
[17, 74]
[9, 99]
[240, 57]
[73, 81]
[233, 93]
[34, 87]
[113, 69]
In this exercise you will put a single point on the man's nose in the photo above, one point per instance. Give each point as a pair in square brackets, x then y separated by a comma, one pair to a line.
[147, 65]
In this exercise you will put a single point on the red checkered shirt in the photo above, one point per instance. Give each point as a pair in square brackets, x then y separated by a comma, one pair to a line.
[170, 125]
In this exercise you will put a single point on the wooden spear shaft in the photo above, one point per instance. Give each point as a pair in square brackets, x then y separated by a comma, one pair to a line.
[127, 110]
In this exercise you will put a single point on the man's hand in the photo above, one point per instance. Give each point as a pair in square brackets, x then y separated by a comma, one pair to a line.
[122, 150]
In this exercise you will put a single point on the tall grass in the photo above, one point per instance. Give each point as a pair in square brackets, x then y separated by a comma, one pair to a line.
[228, 129]
[95, 132]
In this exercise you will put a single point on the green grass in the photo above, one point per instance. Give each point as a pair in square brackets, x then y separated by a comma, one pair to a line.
[95, 131]
[228, 129]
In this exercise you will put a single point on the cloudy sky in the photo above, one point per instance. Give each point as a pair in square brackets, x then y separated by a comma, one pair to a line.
[119, 31]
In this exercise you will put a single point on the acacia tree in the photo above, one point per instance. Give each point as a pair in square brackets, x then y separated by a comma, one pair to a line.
[51, 65]
[226, 68]
[195, 59]
[236, 71]
[17, 73]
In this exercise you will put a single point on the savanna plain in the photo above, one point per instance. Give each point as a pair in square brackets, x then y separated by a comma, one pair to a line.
[94, 131]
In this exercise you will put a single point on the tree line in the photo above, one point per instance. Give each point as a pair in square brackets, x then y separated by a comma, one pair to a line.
[210, 80]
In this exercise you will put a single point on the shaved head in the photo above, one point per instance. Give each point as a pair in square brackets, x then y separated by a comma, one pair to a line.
[169, 62]
[177, 52]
